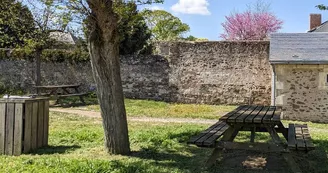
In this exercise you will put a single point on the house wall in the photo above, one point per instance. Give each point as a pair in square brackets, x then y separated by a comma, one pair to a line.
[302, 91]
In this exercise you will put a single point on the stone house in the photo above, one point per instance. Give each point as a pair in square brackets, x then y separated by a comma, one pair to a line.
[300, 75]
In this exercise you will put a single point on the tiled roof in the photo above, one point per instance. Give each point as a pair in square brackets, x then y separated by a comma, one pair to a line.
[299, 48]
[322, 28]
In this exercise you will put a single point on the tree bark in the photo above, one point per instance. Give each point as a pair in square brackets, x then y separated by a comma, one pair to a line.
[103, 46]
[38, 69]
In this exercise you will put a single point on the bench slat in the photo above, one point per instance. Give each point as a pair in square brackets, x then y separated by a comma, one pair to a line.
[195, 138]
[307, 138]
[201, 140]
[299, 137]
[291, 136]
[69, 95]
[210, 141]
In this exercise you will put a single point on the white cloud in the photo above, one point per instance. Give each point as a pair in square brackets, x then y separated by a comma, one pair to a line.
[191, 7]
[155, 8]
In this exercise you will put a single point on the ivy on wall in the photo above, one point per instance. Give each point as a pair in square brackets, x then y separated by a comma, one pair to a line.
[48, 55]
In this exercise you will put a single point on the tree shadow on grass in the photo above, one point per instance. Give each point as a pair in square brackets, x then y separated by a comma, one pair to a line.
[315, 161]
[183, 157]
[192, 158]
[60, 149]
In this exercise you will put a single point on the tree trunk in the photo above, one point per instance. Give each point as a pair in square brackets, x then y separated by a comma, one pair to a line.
[38, 69]
[104, 51]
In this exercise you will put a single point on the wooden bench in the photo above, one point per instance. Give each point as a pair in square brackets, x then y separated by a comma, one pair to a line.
[208, 137]
[299, 138]
[70, 95]
[59, 92]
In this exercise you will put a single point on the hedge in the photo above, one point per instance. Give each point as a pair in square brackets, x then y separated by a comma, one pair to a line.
[48, 55]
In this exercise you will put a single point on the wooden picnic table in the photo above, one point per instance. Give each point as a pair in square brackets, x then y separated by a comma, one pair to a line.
[254, 119]
[60, 91]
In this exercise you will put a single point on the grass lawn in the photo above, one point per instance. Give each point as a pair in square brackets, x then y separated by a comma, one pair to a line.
[148, 108]
[76, 145]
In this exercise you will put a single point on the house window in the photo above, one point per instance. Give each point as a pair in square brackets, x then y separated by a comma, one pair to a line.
[323, 80]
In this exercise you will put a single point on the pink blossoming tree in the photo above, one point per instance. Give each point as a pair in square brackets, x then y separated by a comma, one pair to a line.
[250, 25]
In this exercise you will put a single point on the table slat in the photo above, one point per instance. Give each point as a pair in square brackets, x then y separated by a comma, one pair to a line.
[226, 116]
[259, 116]
[233, 117]
[57, 86]
[276, 116]
[256, 111]
[242, 117]
[269, 114]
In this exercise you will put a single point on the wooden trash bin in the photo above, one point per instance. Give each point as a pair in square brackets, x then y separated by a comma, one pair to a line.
[24, 125]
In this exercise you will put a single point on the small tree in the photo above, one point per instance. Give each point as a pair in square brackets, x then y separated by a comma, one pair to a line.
[48, 15]
[251, 25]
[164, 26]
[132, 28]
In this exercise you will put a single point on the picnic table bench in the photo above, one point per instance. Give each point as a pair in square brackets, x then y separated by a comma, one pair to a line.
[254, 119]
[60, 91]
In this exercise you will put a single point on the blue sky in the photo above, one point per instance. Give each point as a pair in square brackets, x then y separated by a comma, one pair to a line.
[205, 16]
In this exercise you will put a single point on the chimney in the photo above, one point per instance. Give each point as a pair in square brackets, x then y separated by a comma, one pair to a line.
[315, 20]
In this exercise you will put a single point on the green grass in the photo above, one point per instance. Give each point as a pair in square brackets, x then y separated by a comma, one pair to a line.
[76, 145]
[149, 108]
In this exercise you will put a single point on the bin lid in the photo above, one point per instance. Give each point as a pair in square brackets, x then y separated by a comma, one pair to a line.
[16, 97]
[20, 99]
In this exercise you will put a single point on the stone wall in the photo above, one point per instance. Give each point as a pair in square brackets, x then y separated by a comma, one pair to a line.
[201, 72]
[219, 72]
[20, 74]
[142, 77]
[302, 91]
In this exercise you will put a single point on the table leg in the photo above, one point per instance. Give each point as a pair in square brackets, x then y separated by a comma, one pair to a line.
[81, 97]
[283, 130]
[66, 91]
[217, 152]
[274, 135]
[253, 134]
[229, 135]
